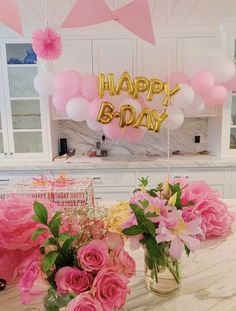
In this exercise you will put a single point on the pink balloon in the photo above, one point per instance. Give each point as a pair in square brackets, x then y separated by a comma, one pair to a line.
[202, 82]
[177, 77]
[113, 130]
[216, 96]
[231, 84]
[89, 87]
[60, 101]
[68, 83]
[94, 108]
[134, 135]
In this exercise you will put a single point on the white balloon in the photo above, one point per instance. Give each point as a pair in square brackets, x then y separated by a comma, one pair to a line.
[44, 83]
[214, 54]
[223, 69]
[131, 102]
[184, 97]
[175, 117]
[196, 107]
[94, 125]
[77, 108]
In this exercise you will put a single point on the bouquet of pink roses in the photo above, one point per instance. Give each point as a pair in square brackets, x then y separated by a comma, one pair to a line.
[169, 219]
[84, 265]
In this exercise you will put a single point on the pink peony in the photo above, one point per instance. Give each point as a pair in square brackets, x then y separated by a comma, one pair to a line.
[31, 283]
[110, 289]
[216, 218]
[16, 224]
[93, 256]
[72, 280]
[84, 302]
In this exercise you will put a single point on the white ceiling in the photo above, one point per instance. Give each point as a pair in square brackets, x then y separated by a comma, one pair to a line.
[181, 12]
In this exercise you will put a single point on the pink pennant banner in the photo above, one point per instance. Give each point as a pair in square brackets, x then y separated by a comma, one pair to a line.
[134, 16]
[10, 16]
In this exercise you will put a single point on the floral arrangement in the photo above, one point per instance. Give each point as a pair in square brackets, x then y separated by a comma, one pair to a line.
[172, 218]
[81, 264]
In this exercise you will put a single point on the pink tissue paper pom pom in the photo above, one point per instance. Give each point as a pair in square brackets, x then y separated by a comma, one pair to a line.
[47, 44]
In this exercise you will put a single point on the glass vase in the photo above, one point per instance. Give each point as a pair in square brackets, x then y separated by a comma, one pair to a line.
[162, 277]
[54, 301]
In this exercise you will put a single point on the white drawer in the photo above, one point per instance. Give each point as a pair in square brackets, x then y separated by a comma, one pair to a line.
[211, 176]
[233, 177]
[4, 181]
[108, 178]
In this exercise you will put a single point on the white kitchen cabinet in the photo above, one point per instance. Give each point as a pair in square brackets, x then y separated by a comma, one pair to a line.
[189, 48]
[25, 124]
[156, 61]
[113, 55]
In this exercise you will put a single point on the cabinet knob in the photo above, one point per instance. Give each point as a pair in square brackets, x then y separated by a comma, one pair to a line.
[96, 178]
[5, 180]
[11, 153]
[5, 154]
[98, 198]
[181, 177]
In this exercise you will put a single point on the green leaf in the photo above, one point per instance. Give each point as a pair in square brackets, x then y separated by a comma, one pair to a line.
[143, 181]
[191, 203]
[50, 241]
[144, 203]
[176, 189]
[150, 227]
[187, 250]
[139, 213]
[150, 215]
[66, 246]
[37, 232]
[133, 230]
[153, 248]
[64, 236]
[54, 226]
[35, 218]
[49, 260]
[56, 215]
[152, 193]
[41, 212]
[42, 250]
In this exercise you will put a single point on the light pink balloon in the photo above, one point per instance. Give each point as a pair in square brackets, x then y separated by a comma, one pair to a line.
[231, 84]
[202, 82]
[94, 108]
[93, 124]
[134, 135]
[60, 101]
[113, 130]
[68, 83]
[89, 87]
[216, 96]
[175, 78]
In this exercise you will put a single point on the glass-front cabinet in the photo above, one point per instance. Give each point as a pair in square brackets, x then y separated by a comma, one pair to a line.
[24, 112]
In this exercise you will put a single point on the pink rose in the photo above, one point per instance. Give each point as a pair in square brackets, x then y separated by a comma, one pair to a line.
[125, 262]
[84, 302]
[72, 280]
[93, 256]
[31, 283]
[216, 218]
[110, 289]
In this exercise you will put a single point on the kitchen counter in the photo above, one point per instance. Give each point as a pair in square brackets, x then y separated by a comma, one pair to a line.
[208, 282]
[122, 162]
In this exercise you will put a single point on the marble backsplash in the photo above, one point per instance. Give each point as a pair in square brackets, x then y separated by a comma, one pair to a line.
[81, 138]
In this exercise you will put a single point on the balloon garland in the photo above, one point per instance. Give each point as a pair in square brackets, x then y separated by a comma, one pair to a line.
[128, 106]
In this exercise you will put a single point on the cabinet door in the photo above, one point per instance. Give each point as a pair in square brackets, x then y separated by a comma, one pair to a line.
[113, 56]
[76, 56]
[188, 48]
[153, 61]
[23, 106]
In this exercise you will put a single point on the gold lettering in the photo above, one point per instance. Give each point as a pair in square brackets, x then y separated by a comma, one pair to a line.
[105, 114]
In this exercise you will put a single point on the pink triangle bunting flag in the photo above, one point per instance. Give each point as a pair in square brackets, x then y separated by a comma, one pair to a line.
[88, 12]
[10, 16]
[134, 16]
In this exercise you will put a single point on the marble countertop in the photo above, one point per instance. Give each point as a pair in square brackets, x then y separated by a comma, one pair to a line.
[208, 282]
[123, 162]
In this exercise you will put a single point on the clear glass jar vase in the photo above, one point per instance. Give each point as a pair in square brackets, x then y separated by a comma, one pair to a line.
[162, 278]
[55, 302]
